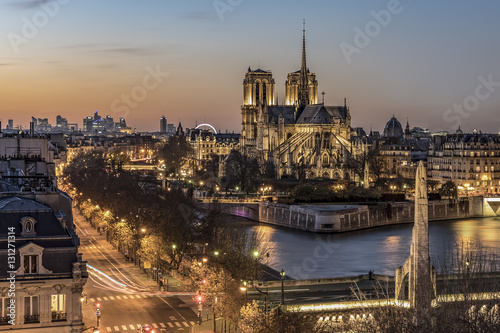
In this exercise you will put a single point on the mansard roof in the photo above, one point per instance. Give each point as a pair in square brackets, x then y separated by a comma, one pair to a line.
[8, 204]
[7, 187]
[47, 224]
[321, 114]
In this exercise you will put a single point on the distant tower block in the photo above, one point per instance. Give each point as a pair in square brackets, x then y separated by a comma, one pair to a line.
[421, 275]
[163, 124]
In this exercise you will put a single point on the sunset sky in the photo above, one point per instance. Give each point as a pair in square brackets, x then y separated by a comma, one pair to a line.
[73, 57]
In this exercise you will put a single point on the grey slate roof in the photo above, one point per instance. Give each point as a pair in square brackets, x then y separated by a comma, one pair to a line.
[21, 204]
[46, 224]
[7, 187]
[320, 114]
[60, 247]
[287, 112]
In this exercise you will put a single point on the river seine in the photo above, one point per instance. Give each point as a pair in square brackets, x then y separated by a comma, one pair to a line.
[305, 255]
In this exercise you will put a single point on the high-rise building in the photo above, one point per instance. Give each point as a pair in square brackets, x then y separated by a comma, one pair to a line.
[163, 124]
[61, 122]
[10, 124]
[87, 124]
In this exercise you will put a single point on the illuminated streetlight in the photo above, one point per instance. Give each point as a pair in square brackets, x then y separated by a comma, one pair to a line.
[282, 273]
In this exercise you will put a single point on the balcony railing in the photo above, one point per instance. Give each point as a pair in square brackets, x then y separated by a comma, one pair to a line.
[31, 319]
[57, 316]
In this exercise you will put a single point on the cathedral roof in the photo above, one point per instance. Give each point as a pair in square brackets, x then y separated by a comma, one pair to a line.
[298, 72]
[257, 70]
[287, 112]
[320, 114]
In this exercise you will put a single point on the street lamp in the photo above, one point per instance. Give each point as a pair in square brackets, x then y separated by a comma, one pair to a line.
[282, 273]
[245, 289]
[256, 255]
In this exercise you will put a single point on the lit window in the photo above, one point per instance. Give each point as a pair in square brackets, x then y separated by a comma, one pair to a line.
[31, 264]
[4, 303]
[58, 305]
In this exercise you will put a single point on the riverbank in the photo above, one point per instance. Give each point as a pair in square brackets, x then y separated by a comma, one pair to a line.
[335, 218]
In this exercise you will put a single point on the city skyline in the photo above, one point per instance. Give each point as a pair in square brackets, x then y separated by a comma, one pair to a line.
[187, 61]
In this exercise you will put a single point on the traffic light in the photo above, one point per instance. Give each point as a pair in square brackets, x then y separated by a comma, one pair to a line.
[200, 319]
[199, 298]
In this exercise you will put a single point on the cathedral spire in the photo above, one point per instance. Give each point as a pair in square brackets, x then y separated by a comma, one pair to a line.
[304, 81]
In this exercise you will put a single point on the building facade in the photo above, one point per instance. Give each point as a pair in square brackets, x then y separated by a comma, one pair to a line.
[206, 143]
[301, 138]
[41, 272]
[471, 161]
[401, 149]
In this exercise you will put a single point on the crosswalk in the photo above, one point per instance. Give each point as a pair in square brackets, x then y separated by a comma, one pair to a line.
[118, 297]
[134, 327]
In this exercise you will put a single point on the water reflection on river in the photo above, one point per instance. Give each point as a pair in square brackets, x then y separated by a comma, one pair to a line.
[306, 255]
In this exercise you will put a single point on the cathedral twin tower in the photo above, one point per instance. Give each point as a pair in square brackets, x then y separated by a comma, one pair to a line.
[299, 134]
[301, 86]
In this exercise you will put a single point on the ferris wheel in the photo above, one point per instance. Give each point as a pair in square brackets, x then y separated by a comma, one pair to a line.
[207, 125]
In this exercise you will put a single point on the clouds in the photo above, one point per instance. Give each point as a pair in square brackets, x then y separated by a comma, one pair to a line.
[112, 49]
[27, 5]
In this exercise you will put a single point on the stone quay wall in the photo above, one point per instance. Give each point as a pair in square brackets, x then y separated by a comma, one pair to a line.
[342, 218]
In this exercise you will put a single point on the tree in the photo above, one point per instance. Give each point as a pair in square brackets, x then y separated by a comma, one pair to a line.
[208, 171]
[310, 193]
[175, 153]
[254, 320]
[449, 190]
[376, 162]
[241, 170]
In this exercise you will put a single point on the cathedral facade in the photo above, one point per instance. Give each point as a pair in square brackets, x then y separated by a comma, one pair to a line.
[301, 137]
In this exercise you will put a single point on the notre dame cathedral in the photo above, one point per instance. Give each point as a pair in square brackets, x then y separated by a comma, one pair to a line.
[300, 138]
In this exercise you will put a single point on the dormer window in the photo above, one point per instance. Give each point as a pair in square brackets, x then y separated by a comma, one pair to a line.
[31, 256]
[28, 226]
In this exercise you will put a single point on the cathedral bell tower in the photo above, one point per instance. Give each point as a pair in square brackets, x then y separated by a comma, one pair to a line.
[258, 92]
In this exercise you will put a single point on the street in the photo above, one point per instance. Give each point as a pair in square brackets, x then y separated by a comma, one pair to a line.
[126, 299]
